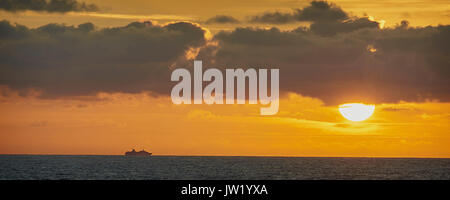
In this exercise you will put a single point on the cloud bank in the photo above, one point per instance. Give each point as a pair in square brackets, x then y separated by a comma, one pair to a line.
[338, 58]
[60, 6]
[316, 11]
[326, 18]
[222, 19]
[370, 65]
[69, 60]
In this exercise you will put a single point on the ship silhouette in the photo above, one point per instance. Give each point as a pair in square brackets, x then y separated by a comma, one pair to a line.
[137, 153]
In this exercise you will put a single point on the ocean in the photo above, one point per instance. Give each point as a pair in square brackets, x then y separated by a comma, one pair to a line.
[45, 167]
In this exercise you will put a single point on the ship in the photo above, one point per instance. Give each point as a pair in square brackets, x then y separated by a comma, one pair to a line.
[137, 153]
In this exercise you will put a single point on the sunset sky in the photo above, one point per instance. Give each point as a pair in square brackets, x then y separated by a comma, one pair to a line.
[94, 78]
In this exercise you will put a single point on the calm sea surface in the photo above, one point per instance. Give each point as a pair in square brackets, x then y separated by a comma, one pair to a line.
[187, 167]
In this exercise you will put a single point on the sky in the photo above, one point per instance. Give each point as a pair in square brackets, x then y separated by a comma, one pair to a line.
[93, 77]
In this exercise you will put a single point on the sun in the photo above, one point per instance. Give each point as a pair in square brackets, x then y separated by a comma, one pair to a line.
[356, 111]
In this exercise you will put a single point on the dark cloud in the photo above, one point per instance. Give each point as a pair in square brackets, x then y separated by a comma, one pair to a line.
[7, 31]
[61, 6]
[258, 37]
[329, 28]
[358, 64]
[274, 18]
[337, 59]
[78, 60]
[326, 19]
[222, 19]
[317, 11]
[321, 11]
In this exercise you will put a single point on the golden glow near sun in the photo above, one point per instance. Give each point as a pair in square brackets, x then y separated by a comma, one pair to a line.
[356, 111]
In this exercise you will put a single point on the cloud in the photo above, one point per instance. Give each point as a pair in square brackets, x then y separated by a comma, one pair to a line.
[409, 64]
[328, 28]
[60, 6]
[337, 60]
[274, 18]
[222, 19]
[79, 60]
[326, 19]
[393, 109]
[321, 11]
[317, 11]
[340, 125]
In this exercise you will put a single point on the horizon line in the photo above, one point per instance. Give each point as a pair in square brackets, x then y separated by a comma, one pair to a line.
[268, 156]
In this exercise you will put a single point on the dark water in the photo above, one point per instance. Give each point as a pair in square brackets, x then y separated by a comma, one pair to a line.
[185, 167]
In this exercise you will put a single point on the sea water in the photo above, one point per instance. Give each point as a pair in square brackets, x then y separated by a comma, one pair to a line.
[45, 167]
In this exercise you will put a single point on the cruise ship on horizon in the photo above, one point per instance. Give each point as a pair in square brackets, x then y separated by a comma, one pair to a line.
[137, 153]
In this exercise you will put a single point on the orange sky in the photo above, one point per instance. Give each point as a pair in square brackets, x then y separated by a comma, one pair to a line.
[112, 123]
[118, 13]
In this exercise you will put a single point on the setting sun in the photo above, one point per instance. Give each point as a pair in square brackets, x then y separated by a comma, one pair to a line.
[356, 111]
